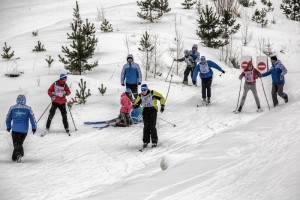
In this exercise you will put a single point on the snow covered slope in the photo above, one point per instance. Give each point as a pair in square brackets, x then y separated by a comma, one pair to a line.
[210, 154]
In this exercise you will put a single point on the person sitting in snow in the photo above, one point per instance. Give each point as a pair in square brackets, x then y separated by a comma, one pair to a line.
[250, 74]
[125, 110]
[206, 75]
[148, 99]
[277, 72]
[132, 75]
[19, 115]
[191, 59]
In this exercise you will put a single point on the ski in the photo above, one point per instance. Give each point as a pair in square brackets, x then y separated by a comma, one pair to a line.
[100, 122]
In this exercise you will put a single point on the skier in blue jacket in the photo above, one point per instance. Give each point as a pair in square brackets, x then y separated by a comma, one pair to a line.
[132, 74]
[206, 75]
[277, 72]
[20, 114]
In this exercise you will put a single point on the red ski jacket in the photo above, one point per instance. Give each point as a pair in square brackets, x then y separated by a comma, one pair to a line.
[126, 104]
[57, 89]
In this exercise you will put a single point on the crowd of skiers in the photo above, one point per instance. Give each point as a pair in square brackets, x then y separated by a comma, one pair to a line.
[145, 102]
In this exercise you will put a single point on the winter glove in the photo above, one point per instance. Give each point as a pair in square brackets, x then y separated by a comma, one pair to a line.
[33, 130]
[281, 77]
[139, 83]
[162, 108]
[240, 77]
[223, 71]
[8, 129]
[123, 84]
[53, 98]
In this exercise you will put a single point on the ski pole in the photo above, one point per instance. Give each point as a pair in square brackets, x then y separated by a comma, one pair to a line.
[72, 118]
[237, 105]
[167, 121]
[170, 70]
[169, 87]
[44, 112]
[264, 92]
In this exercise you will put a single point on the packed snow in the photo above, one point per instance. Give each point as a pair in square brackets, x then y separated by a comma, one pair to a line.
[210, 154]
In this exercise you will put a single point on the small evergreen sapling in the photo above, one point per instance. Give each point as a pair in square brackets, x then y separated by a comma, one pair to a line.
[188, 3]
[81, 95]
[259, 18]
[7, 54]
[146, 46]
[106, 27]
[35, 33]
[39, 47]
[49, 60]
[291, 9]
[102, 90]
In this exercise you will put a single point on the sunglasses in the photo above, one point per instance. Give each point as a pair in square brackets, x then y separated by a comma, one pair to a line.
[143, 90]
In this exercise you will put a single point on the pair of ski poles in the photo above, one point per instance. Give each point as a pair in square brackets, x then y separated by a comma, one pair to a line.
[69, 111]
[237, 105]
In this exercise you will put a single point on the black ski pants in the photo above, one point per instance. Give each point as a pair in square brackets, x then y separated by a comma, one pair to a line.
[18, 139]
[134, 89]
[149, 118]
[278, 89]
[187, 71]
[206, 87]
[63, 111]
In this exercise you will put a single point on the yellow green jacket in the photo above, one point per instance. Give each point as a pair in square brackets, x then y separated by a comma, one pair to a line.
[156, 96]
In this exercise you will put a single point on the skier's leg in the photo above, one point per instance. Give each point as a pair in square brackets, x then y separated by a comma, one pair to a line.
[51, 114]
[246, 89]
[15, 144]
[281, 93]
[147, 123]
[203, 86]
[63, 111]
[254, 91]
[208, 85]
[186, 74]
[153, 131]
[274, 94]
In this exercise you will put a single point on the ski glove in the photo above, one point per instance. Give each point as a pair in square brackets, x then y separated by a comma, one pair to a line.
[162, 108]
[53, 98]
[139, 83]
[223, 71]
[33, 130]
[8, 129]
[123, 84]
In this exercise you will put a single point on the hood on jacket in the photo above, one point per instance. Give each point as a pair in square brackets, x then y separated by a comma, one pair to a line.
[21, 99]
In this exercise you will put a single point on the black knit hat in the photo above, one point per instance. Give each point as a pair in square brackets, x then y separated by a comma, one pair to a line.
[274, 58]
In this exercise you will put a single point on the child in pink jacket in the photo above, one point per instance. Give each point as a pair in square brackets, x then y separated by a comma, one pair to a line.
[126, 107]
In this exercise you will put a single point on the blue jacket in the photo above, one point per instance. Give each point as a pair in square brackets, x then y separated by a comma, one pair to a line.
[19, 115]
[136, 115]
[277, 72]
[132, 73]
[195, 55]
[205, 69]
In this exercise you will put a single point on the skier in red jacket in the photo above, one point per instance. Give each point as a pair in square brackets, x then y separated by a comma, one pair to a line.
[126, 107]
[58, 92]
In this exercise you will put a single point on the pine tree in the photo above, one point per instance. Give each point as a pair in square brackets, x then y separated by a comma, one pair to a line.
[270, 8]
[259, 18]
[247, 3]
[162, 6]
[102, 90]
[149, 10]
[106, 27]
[81, 95]
[147, 47]
[291, 9]
[209, 30]
[7, 55]
[83, 45]
[228, 24]
[49, 61]
[39, 47]
[188, 3]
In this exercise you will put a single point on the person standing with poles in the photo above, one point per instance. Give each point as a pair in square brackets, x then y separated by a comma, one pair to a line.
[206, 75]
[58, 92]
[250, 74]
[19, 114]
[277, 72]
[148, 99]
[133, 75]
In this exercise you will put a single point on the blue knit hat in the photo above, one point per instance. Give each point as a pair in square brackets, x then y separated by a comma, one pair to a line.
[128, 90]
[144, 87]
[63, 76]
[203, 58]
[195, 46]
[21, 99]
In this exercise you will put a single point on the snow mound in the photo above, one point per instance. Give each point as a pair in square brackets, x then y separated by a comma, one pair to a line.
[171, 160]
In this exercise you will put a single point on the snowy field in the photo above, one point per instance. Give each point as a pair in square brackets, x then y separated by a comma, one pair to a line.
[211, 154]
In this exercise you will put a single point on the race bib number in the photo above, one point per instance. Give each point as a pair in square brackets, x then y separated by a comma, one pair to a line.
[147, 100]
[59, 91]
[249, 76]
[204, 68]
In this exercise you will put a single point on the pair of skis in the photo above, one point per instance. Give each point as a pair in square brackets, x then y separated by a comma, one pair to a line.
[46, 132]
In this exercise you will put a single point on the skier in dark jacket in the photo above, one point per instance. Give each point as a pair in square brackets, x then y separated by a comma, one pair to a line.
[191, 59]
[277, 72]
[132, 74]
[206, 75]
[58, 92]
[19, 115]
[148, 99]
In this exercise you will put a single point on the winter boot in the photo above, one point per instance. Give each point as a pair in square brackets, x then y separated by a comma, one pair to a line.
[259, 109]
[204, 102]
[154, 145]
[67, 130]
[185, 82]
[19, 158]
[208, 100]
[286, 99]
[145, 145]
[240, 109]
